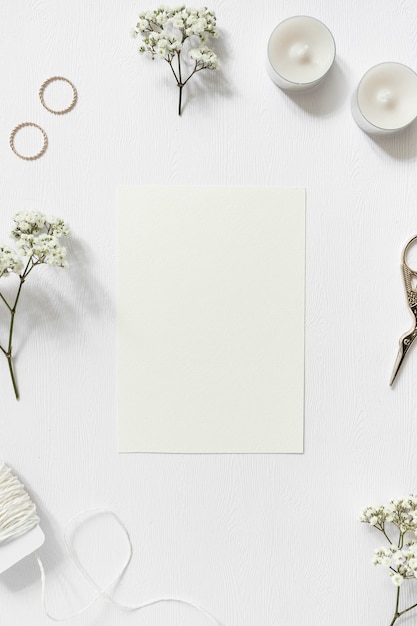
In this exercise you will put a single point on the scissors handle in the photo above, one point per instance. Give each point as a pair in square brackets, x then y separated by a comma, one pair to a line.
[409, 274]
[406, 249]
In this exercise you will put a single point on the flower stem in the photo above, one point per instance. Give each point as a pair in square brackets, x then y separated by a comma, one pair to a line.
[406, 610]
[180, 99]
[398, 613]
[5, 301]
[397, 602]
[16, 390]
[10, 344]
[9, 352]
[180, 84]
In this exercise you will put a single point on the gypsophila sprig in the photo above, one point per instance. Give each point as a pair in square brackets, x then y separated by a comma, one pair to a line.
[37, 238]
[397, 521]
[171, 33]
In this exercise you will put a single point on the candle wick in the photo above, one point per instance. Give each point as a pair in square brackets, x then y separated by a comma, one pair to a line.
[385, 97]
[300, 52]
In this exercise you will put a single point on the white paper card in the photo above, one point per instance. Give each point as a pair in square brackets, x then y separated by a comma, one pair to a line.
[13, 551]
[211, 319]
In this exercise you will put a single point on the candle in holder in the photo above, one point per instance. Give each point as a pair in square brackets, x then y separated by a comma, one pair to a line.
[301, 51]
[385, 101]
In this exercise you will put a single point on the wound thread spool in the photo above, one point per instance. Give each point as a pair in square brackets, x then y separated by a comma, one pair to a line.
[20, 533]
[19, 519]
[18, 513]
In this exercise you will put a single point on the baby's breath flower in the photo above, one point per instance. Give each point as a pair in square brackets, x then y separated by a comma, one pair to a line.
[37, 239]
[161, 18]
[27, 222]
[397, 579]
[397, 520]
[413, 564]
[46, 248]
[205, 58]
[383, 557]
[142, 25]
[164, 32]
[374, 516]
[10, 261]
[175, 44]
[56, 226]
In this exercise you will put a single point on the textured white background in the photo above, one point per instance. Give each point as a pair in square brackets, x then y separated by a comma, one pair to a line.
[262, 540]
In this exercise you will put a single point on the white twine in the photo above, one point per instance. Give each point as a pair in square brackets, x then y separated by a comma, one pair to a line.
[18, 516]
[101, 592]
[17, 511]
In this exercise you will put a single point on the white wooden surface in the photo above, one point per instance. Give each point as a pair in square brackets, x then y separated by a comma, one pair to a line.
[266, 540]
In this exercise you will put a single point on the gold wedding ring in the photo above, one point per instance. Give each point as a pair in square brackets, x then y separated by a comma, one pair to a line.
[48, 82]
[22, 156]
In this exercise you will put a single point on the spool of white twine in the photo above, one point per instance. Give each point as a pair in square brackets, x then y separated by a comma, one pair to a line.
[17, 511]
[18, 517]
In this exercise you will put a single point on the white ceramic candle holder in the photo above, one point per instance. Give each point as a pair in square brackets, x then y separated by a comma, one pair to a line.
[301, 51]
[385, 101]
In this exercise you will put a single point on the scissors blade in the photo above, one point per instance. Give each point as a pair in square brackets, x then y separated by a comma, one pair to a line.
[398, 362]
[406, 342]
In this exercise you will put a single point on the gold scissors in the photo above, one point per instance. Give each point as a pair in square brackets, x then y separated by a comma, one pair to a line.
[407, 340]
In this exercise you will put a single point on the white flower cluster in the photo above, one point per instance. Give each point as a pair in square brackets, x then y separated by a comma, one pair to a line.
[161, 44]
[401, 512]
[188, 21]
[374, 516]
[37, 235]
[205, 58]
[165, 30]
[401, 561]
[10, 261]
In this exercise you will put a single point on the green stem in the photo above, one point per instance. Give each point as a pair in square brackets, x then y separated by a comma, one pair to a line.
[384, 532]
[5, 302]
[180, 99]
[9, 355]
[396, 614]
[180, 85]
[9, 352]
[15, 388]
[169, 61]
[409, 609]
[195, 70]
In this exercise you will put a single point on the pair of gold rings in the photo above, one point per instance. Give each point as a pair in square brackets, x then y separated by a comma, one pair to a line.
[55, 112]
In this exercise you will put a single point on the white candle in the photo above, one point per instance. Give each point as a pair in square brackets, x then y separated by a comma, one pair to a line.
[301, 50]
[386, 99]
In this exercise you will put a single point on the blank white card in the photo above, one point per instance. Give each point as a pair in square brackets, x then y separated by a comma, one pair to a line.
[211, 319]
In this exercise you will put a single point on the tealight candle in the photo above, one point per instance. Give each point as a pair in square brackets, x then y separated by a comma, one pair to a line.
[385, 101]
[301, 50]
